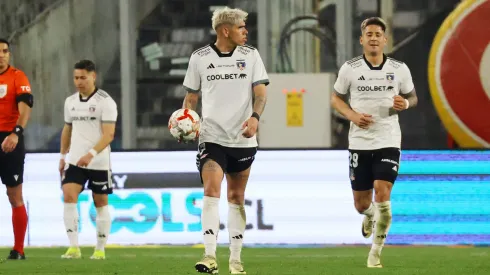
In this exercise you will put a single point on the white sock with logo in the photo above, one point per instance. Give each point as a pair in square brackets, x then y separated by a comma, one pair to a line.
[236, 228]
[210, 224]
[103, 226]
[70, 218]
[383, 223]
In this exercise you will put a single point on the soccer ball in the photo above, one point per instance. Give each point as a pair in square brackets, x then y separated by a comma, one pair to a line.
[184, 125]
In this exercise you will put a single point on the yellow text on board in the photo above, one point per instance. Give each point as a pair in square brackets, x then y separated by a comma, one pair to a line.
[294, 108]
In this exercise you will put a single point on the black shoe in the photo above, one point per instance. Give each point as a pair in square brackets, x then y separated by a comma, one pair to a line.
[15, 255]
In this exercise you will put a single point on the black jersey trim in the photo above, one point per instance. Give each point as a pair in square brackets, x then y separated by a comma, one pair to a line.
[89, 97]
[248, 46]
[262, 81]
[190, 90]
[380, 67]
[103, 93]
[220, 54]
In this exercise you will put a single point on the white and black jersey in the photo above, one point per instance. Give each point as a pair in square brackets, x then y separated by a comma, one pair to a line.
[226, 81]
[86, 116]
[371, 91]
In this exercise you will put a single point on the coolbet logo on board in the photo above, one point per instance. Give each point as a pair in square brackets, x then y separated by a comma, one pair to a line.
[459, 73]
[141, 211]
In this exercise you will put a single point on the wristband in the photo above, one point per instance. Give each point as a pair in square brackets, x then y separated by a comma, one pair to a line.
[62, 156]
[93, 152]
[18, 130]
[257, 116]
[408, 103]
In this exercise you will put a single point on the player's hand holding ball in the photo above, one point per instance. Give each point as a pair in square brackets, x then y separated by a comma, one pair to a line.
[184, 125]
[362, 120]
[400, 103]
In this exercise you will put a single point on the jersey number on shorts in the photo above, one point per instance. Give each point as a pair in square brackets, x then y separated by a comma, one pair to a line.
[353, 158]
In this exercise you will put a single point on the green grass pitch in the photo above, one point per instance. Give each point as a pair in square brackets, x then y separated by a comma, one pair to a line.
[263, 261]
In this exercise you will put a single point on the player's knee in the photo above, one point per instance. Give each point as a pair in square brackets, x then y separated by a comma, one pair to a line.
[236, 197]
[16, 200]
[362, 205]
[100, 200]
[70, 197]
[212, 189]
[15, 196]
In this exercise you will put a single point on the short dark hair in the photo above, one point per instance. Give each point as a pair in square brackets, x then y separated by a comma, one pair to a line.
[373, 21]
[5, 41]
[85, 64]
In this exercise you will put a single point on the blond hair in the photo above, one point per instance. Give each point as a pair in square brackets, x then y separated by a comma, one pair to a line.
[228, 16]
[373, 21]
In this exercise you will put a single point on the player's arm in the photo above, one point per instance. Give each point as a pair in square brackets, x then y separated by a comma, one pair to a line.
[340, 97]
[260, 79]
[190, 100]
[407, 97]
[260, 98]
[24, 113]
[339, 103]
[109, 117]
[192, 84]
[65, 145]
[66, 132]
[25, 101]
[24, 98]
[108, 130]
[65, 140]
[410, 100]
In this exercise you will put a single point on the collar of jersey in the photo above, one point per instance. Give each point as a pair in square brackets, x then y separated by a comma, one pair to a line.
[380, 67]
[89, 97]
[220, 54]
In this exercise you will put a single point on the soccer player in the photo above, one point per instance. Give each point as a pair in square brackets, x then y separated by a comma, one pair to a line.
[16, 101]
[90, 122]
[232, 79]
[379, 88]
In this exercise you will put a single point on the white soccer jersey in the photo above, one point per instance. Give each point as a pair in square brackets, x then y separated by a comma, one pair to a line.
[371, 92]
[226, 81]
[86, 117]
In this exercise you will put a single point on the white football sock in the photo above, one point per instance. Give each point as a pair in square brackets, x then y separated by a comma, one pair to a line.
[70, 217]
[236, 228]
[370, 211]
[383, 223]
[103, 226]
[210, 224]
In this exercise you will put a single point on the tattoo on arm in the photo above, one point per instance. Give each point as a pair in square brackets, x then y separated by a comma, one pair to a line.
[412, 98]
[259, 104]
[412, 101]
[190, 101]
